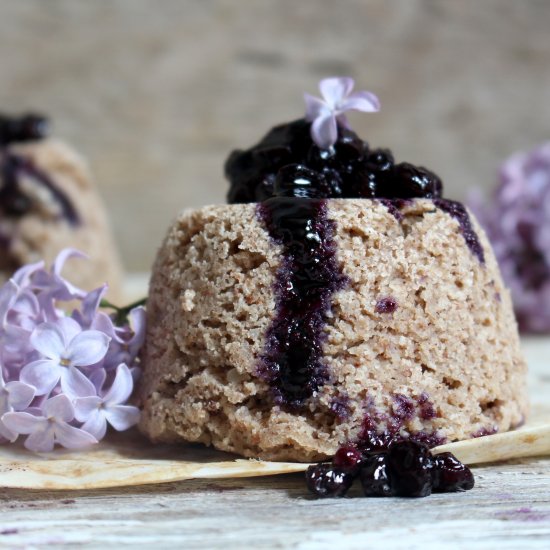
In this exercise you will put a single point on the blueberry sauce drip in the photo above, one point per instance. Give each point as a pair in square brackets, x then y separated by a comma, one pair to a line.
[404, 468]
[28, 127]
[309, 274]
[459, 213]
[394, 207]
[15, 203]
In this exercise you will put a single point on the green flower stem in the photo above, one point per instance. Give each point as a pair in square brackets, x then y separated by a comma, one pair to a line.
[121, 313]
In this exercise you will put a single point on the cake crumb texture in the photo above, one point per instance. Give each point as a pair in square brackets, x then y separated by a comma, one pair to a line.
[443, 360]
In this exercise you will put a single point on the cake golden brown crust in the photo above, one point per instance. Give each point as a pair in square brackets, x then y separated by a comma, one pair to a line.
[445, 362]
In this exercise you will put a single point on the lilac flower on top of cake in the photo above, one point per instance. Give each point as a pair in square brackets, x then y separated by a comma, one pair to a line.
[339, 299]
[517, 221]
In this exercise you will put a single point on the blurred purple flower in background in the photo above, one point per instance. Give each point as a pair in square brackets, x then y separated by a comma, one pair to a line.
[64, 377]
[517, 221]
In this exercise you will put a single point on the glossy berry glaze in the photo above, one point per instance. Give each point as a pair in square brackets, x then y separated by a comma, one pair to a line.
[309, 274]
[350, 170]
[14, 203]
[404, 468]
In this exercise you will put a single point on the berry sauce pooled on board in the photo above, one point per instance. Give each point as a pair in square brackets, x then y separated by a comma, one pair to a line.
[291, 173]
[405, 468]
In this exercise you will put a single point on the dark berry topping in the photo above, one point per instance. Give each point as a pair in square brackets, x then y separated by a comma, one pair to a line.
[380, 160]
[449, 474]
[410, 466]
[295, 180]
[292, 360]
[460, 214]
[14, 202]
[29, 127]
[386, 305]
[324, 480]
[415, 182]
[348, 459]
[349, 169]
[375, 476]
[286, 162]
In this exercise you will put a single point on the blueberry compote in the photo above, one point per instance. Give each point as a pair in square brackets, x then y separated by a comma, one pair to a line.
[459, 213]
[28, 127]
[405, 468]
[296, 218]
[350, 169]
[14, 202]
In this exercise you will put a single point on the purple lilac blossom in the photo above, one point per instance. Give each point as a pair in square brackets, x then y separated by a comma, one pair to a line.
[63, 377]
[517, 222]
[326, 113]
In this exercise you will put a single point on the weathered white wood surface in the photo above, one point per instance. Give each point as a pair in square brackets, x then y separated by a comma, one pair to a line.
[509, 508]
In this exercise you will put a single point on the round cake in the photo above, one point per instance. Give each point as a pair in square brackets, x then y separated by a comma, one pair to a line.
[47, 203]
[340, 300]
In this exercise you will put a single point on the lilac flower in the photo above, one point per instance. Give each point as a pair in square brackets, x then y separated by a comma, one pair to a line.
[52, 361]
[53, 284]
[517, 221]
[326, 113]
[95, 411]
[14, 396]
[90, 305]
[14, 325]
[126, 341]
[53, 426]
[63, 344]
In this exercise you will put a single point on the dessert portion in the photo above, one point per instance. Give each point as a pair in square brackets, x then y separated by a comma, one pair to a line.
[339, 300]
[47, 203]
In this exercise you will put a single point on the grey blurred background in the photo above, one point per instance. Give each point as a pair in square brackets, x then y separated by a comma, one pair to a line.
[157, 92]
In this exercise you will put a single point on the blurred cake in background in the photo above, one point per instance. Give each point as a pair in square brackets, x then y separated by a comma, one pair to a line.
[48, 202]
[517, 221]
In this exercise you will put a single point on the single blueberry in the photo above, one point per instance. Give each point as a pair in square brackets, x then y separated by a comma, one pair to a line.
[410, 468]
[324, 480]
[348, 459]
[415, 181]
[375, 476]
[449, 474]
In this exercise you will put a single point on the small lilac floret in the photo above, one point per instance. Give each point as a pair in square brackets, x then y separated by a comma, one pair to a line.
[62, 344]
[326, 113]
[53, 426]
[64, 377]
[96, 410]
